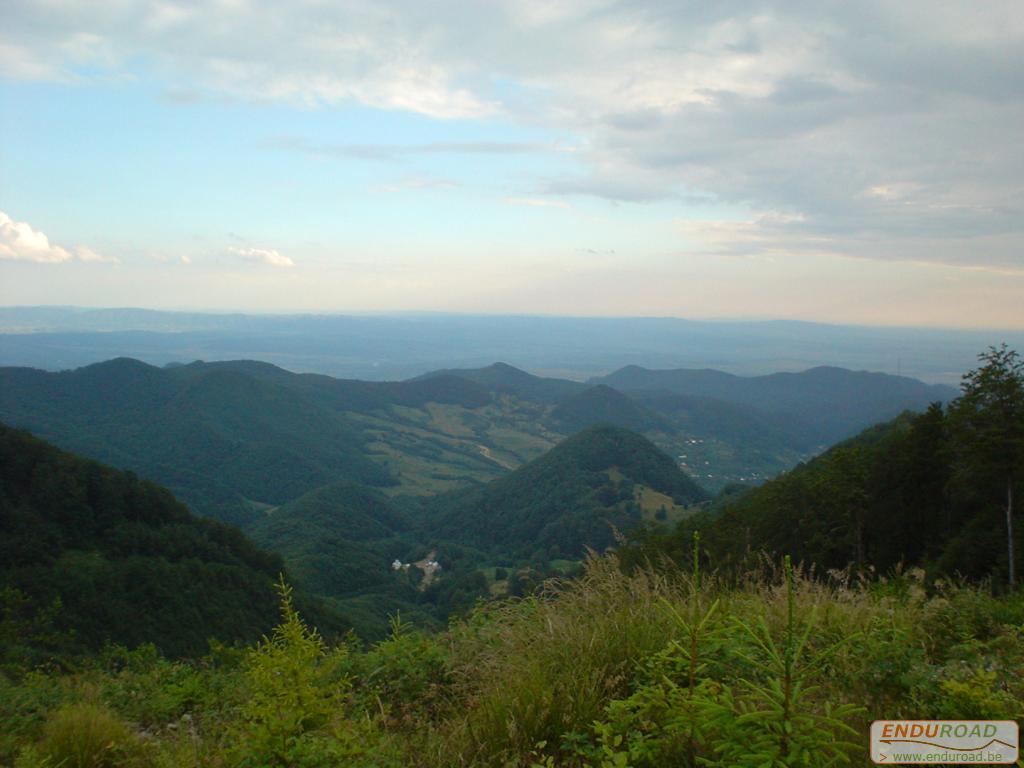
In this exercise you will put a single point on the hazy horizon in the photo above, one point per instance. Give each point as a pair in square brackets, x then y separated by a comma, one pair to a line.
[380, 346]
[257, 311]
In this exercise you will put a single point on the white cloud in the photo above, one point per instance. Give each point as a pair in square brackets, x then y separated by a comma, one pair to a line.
[416, 183]
[266, 256]
[88, 255]
[20, 242]
[537, 202]
[164, 257]
[310, 54]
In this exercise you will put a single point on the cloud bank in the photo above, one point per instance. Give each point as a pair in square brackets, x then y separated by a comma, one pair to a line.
[874, 130]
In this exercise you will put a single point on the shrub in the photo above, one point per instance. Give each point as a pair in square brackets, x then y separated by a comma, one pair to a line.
[295, 712]
[404, 677]
[87, 735]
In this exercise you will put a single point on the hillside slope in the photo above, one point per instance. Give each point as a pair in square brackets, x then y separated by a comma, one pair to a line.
[128, 562]
[337, 539]
[829, 403]
[604, 405]
[910, 492]
[571, 498]
[507, 379]
[219, 437]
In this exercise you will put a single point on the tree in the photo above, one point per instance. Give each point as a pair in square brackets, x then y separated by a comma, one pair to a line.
[294, 714]
[841, 490]
[988, 424]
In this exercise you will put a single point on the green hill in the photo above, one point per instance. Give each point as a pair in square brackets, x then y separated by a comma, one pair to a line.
[337, 540]
[571, 498]
[828, 403]
[128, 563]
[218, 436]
[353, 394]
[232, 438]
[604, 405]
[507, 379]
[739, 425]
[910, 492]
[723, 428]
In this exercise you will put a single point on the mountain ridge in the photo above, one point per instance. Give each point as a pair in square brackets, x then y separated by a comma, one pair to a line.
[571, 498]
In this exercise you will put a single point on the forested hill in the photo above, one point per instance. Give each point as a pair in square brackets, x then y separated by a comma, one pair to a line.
[336, 539]
[917, 491]
[507, 379]
[573, 497]
[128, 563]
[724, 428]
[604, 405]
[219, 436]
[234, 438]
[829, 403]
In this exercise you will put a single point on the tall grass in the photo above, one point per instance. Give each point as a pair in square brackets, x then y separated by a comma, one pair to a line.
[611, 654]
[657, 667]
[87, 735]
[533, 670]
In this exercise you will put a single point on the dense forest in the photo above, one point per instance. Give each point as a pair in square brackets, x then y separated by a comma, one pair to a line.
[933, 490]
[578, 495]
[91, 555]
[232, 438]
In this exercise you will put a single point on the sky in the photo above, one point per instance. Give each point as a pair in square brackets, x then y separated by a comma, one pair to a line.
[830, 161]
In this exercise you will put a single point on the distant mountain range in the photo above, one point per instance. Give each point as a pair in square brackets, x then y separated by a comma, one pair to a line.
[825, 404]
[400, 346]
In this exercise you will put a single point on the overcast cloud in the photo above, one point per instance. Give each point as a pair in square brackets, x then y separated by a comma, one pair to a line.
[874, 130]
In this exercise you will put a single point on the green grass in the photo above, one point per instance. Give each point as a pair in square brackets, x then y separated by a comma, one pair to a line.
[591, 672]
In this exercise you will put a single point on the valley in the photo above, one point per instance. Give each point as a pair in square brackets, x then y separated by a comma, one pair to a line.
[341, 477]
[490, 535]
[517, 384]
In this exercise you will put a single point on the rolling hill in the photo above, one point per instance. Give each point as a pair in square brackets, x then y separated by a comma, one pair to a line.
[915, 491]
[234, 438]
[224, 440]
[604, 405]
[571, 498]
[338, 540]
[507, 379]
[506, 466]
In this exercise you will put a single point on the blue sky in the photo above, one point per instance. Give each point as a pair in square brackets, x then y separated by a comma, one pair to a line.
[580, 157]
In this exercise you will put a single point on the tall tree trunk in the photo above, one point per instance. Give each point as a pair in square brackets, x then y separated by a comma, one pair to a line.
[1009, 529]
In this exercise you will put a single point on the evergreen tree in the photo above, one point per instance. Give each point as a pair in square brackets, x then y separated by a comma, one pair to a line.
[988, 426]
